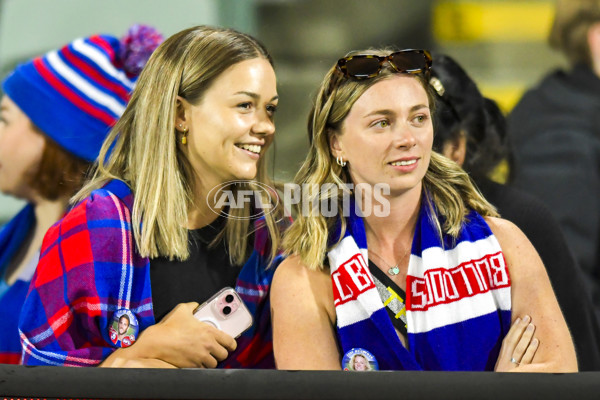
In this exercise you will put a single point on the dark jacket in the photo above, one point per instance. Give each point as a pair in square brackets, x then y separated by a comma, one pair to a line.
[555, 134]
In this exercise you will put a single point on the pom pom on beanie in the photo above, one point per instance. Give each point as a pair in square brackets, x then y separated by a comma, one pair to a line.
[136, 47]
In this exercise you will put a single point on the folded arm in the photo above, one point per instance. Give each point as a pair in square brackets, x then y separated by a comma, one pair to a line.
[532, 295]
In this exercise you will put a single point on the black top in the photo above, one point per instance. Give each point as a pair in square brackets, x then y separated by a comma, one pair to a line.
[567, 278]
[204, 273]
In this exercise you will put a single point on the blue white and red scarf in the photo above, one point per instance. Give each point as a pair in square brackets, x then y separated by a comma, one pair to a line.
[458, 299]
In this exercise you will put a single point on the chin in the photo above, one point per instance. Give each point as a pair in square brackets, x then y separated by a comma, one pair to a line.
[7, 190]
[246, 174]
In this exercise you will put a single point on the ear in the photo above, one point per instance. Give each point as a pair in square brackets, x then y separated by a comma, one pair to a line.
[456, 149]
[182, 114]
[593, 37]
[335, 145]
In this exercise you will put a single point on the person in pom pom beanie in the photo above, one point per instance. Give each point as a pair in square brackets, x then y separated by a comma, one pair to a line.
[55, 114]
[146, 244]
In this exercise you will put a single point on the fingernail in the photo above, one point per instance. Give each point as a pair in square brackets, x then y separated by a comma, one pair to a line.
[526, 319]
[535, 342]
[530, 327]
[517, 320]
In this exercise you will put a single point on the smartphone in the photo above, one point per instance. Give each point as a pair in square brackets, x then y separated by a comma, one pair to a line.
[225, 311]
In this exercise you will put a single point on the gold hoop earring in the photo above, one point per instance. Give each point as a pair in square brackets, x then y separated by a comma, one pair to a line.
[340, 161]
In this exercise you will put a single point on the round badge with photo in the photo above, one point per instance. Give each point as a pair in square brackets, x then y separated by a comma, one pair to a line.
[124, 328]
[358, 359]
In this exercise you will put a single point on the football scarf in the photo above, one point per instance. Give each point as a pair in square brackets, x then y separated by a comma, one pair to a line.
[458, 300]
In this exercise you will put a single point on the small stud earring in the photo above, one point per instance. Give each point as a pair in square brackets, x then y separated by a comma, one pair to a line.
[340, 161]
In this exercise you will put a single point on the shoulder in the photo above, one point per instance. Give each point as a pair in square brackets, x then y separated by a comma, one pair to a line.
[99, 205]
[85, 222]
[295, 283]
[504, 230]
[293, 272]
[531, 112]
[511, 238]
[113, 197]
[516, 247]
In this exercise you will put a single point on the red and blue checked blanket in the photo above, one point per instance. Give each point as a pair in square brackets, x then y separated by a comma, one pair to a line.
[89, 268]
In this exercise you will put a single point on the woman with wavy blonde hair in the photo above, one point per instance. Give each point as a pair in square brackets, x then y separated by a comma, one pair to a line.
[433, 279]
[150, 235]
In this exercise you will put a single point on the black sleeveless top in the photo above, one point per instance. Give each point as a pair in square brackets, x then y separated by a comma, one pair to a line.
[204, 273]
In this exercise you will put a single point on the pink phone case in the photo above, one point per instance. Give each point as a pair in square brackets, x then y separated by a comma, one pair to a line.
[225, 311]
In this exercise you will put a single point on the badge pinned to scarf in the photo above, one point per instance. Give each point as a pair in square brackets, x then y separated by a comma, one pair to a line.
[358, 359]
[124, 328]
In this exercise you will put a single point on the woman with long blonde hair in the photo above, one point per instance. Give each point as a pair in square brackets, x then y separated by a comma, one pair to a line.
[153, 233]
[416, 268]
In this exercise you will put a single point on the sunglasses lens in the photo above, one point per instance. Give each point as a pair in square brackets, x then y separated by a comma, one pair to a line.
[410, 61]
[362, 67]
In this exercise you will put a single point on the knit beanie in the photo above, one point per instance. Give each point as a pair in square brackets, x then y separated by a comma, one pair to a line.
[77, 93]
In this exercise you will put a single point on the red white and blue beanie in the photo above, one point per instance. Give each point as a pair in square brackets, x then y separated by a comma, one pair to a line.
[76, 94]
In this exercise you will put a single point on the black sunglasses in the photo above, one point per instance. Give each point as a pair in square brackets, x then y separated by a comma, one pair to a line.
[365, 66]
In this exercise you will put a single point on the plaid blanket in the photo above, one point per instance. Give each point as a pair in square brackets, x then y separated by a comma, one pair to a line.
[458, 304]
[89, 269]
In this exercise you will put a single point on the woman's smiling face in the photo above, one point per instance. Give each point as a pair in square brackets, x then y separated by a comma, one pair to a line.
[232, 126]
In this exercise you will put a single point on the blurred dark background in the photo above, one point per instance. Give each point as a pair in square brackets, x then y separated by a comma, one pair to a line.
[501, 43]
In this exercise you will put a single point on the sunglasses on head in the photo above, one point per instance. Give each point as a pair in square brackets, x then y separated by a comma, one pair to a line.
[365, 66]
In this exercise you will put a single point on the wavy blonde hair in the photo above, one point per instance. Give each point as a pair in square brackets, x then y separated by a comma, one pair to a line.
[445, 184]
[142, 148]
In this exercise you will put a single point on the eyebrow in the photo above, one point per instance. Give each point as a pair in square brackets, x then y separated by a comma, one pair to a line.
[254, 95]
[390, 112]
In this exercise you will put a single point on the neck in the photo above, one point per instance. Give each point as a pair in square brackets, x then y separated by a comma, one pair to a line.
[47, 212]
[202, 213]
[390, 236]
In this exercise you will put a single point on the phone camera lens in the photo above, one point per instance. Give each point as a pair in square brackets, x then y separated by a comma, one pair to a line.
[229, 298]
[226, 310]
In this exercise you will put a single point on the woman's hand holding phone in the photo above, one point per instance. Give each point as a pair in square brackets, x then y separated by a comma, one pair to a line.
[225, 311]
[179, 340]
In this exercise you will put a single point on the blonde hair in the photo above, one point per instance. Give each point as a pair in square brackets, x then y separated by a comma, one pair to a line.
[569, 33]
[351, 362]
[142, 148]
[445, 184]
